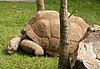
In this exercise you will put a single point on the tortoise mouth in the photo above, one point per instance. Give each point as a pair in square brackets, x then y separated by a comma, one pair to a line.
[10, 51]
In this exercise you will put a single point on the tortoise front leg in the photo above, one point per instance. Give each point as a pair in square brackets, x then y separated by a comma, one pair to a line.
[29, 46]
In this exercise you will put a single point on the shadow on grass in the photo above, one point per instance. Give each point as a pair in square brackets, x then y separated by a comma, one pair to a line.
[22, 52]
[97, 1]
[18, 52]
[31, 54]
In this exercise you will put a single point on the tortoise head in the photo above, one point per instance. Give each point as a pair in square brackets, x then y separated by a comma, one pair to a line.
[11, 47]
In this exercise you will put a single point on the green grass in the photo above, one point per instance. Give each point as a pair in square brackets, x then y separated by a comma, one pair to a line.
[87, 9]
[13, 17]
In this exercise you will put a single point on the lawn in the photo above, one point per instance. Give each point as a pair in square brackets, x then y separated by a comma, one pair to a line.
[14, 16]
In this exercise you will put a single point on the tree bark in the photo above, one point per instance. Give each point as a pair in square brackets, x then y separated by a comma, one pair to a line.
[40, 5]
[64, 59]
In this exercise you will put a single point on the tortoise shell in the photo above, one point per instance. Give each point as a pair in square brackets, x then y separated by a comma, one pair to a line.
[44, 29]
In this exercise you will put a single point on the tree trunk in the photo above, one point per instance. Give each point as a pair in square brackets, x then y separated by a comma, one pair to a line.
[40, 5]
[64, 59]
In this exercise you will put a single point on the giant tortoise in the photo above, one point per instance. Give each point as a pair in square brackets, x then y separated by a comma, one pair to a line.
[42, 34]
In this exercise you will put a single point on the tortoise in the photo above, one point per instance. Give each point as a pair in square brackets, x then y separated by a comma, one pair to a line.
[42, 33]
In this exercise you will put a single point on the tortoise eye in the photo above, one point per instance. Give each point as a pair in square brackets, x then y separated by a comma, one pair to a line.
[11, 49]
